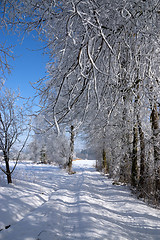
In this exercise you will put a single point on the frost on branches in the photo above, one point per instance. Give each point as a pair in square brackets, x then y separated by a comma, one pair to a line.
[104, 72]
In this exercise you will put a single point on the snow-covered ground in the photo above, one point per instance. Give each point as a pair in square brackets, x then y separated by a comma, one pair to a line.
[45, 203]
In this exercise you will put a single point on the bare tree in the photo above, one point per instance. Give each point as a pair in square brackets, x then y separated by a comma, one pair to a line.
[12, 127]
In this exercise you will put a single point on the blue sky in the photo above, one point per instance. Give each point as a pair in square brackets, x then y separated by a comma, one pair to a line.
[29, 64]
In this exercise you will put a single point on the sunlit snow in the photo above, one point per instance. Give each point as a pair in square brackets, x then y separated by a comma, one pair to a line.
[45, 203]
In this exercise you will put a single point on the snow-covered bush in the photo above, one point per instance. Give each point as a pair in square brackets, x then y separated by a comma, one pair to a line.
[49, 148]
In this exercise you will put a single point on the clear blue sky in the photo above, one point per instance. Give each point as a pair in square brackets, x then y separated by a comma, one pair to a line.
[29, 64]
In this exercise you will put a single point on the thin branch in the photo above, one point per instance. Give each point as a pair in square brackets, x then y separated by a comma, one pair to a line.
[21, 150]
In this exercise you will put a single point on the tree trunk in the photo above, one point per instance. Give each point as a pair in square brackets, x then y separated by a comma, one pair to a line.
[71, 150]
[142, 154]
[43, 157]
[125, 167]
[105, 165]
[134, 170]
[9, 179]
[155, 130]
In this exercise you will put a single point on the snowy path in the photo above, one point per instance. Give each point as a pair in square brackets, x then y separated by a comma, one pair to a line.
[86, 206]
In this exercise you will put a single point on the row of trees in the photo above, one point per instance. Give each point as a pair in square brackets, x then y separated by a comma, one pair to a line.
[103, 74]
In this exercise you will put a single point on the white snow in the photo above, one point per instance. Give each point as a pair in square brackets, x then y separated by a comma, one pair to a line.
[45, 203]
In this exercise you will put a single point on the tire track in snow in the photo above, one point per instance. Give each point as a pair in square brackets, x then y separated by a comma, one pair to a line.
[86, 206]
[31, 211]
[67, 199]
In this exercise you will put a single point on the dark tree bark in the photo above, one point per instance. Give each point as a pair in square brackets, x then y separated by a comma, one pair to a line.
[134, 170]
[105, 165]
[71, 150]
[142, 154]
[155, 131]
[43, 157]
[9, 178]
[125, 166]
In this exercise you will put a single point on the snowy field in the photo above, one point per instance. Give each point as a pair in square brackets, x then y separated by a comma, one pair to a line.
[45, 203]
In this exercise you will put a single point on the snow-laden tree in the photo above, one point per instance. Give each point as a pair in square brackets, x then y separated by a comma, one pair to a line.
[13, 125]
[104, 61]
[92, 44]
[46, 146]
[6, 50]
